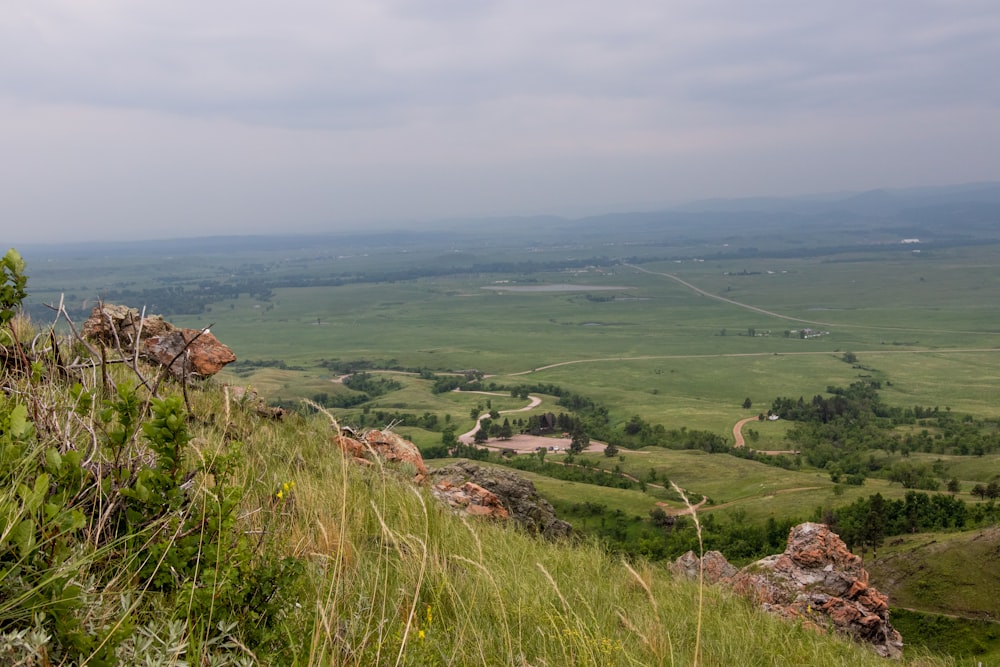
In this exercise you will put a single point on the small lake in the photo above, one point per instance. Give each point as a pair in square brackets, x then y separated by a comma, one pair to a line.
[552, 288]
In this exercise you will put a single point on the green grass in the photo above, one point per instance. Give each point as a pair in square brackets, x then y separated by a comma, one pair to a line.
[949, 573]
[393, 577]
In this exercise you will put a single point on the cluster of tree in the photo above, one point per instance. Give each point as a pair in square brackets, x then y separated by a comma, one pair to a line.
[244, 367]
[859, 401]
[839, 433]
[427, 421]
[256, 280]
[466, 381]
[867, 521]
[259, 363]
[347, 366]
[663, 537]
[491, 428]
[984, 491]
[338, 400]
[574, 472]
[372, 385]
[172, 300]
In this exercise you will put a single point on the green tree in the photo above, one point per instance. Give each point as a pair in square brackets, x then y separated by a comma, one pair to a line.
[506, 432]
[747, 403]
[448, 438]
[580, 441]
[873, 531]
[953, 485]
[611, 450]
[12, 283]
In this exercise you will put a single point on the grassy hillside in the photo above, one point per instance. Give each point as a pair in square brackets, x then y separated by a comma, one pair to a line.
[681, 356]
[952, 578]
[948, 573]
[272, 549]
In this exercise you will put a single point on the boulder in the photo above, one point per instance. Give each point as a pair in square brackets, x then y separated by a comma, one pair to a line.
[250, 400]
[395, 448]
[517, 495]
[188, 352]
[385, 445]
[817, 580]
[716, 567]
[470, 498]
[116, 325]
[159, 341]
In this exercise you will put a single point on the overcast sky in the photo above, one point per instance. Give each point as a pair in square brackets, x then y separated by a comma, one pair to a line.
[144, 119]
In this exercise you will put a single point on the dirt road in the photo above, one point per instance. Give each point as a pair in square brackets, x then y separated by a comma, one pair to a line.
[738, 431]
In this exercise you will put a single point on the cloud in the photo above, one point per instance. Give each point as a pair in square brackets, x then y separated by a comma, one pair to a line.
[350, 64]
[227, 114]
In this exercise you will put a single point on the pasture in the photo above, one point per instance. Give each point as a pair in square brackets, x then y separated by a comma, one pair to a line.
[930, 326]
[682, 343]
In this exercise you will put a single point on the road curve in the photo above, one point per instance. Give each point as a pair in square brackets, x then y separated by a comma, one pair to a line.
[738, 431]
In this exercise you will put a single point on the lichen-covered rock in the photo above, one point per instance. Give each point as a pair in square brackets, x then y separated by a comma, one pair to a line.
[517, 495]
[716, 567]
[470, 498]
[385, 445]
[250, 400]
[817, 580]
[116, 325]
[393, 447]
[188, 352]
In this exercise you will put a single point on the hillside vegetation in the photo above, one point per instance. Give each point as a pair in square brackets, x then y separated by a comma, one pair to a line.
[143, 520]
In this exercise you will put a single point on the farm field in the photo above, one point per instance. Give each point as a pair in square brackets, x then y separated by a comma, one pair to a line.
[681, 343]
[672, 353]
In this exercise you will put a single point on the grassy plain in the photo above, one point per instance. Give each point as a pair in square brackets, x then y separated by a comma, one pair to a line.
[658, 346]
[679, 342]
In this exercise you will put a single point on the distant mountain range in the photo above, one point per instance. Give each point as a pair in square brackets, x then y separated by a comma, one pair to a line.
[953, 214]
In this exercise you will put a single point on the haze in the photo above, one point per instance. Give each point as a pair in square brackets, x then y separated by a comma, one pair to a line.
[134, 120]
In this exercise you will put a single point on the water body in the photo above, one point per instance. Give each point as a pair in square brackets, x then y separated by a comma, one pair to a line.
[552, 288]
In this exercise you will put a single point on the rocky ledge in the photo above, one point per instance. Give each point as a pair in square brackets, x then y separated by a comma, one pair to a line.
[187, 352]
[817, 580]
[478, 489]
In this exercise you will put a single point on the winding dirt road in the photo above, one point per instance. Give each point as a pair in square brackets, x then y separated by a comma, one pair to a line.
[738, 431]
[521, 442]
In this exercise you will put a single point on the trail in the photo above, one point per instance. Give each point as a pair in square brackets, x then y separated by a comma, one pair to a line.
[648, 357]
[762, 495]
[771, 313]
[738, 431]
[968, 617]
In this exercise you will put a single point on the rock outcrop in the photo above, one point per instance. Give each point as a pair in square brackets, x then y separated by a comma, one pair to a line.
[516, 494]
[716, 567]
[250, 400]
[384, 445]
[187, 352]
[465, 486]
[816, 580]
[471, 499]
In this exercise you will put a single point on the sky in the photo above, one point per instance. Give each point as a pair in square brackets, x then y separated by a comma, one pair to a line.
[131, 119]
